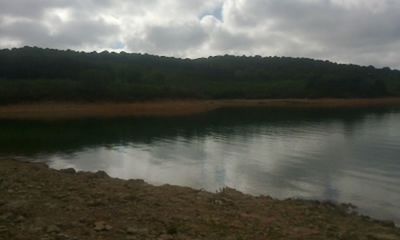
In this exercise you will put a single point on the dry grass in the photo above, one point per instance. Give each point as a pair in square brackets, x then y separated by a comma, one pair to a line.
[171, 108]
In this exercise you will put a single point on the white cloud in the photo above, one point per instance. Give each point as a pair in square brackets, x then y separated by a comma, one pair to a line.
[359, 31]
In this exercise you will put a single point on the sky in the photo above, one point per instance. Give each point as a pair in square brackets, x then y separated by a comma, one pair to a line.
[365, 32]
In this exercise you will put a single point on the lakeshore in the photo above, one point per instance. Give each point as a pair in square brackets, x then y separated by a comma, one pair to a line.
[71, 110]
[41, 203]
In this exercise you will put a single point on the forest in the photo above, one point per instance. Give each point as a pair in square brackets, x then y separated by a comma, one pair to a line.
[32, 74]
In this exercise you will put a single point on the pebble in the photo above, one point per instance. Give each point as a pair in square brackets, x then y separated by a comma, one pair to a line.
[60, 195]
[52, 229]
[102, 226]
[382, 236]
[96, 203]
[50, 205]
[133, 230]
[131, 238]
[62, 236]
[20, 219]
[388, 224]
[45, 237]
[3, 229]
[68, 171]
[35, 229]
[165, 237]
[101, 174]
[6, 216]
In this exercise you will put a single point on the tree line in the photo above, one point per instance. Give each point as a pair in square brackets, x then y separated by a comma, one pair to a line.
[34, 74]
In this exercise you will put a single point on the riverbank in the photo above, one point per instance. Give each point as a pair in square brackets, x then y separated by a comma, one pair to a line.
[56, 110]
[40, 203]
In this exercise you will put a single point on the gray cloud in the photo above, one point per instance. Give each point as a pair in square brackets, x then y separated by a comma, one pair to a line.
[65, 35]
[35, 9]
[226, 41]
[170, 39]
[359, 31]
[27, 8]
[326, 28]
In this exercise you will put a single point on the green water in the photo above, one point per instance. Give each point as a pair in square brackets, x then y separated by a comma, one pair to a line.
[348, 155]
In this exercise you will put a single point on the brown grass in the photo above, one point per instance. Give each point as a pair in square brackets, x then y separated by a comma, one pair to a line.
[171, 108]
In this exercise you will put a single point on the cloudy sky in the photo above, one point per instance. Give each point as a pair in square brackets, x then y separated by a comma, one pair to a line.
[352, 31]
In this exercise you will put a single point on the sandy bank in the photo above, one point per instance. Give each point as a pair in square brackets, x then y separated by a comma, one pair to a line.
[39, 203]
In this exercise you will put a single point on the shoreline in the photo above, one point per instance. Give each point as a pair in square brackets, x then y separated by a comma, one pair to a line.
[167, 108]
[37, 202]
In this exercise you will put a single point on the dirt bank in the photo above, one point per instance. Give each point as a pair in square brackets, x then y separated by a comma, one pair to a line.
[39, 203]
[171, 108]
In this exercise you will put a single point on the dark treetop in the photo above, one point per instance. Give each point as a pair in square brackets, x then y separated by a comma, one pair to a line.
[33, 74]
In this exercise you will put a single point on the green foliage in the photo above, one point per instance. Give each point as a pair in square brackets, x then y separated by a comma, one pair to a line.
[35, 74]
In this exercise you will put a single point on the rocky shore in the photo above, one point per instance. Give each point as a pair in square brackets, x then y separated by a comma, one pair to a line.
[44, 204]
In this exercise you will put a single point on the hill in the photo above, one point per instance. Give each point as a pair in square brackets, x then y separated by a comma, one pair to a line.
[31, 74]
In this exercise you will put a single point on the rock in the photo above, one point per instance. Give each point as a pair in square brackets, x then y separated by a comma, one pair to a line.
[17, 205]
[20, 219]
[84, 220]
[45, 237]
[165, 237]
[3, 229]
[382, 236]
[6, 216]
[101, 174]
[68, 171]
[108, 228]
[172, 230]
[50, 205]
[131, 237]
[70, 208]
[75, 224]
[102, 226]
[133, 230]
[388, 224]
[61, 196]
[96, 203]
[134, 182]
[35, 229]
[62, 236]
[52, 229]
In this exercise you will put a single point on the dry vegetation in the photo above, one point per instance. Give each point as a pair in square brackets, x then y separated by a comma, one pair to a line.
[171, 108]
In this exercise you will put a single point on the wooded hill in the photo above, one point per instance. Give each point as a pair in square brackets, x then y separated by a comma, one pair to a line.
[31, 74]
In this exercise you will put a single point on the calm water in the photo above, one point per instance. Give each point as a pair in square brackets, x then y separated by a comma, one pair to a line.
[340, 155]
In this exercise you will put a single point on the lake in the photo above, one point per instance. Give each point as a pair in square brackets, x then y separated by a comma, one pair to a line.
[342, 155]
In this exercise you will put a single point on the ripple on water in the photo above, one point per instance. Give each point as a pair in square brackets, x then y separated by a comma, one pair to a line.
[346, 156]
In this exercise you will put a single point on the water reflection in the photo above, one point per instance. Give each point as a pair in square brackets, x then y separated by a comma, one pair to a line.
[341, 155]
